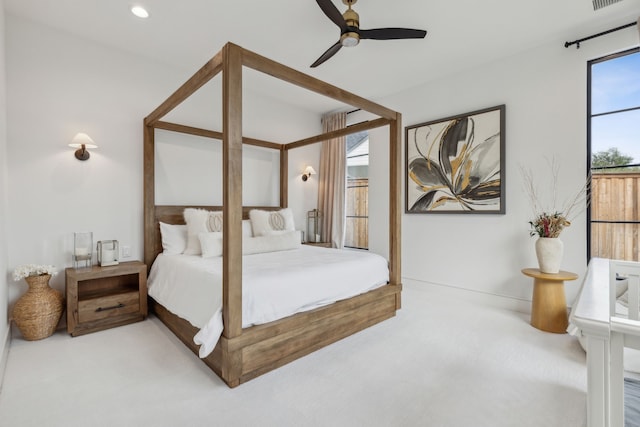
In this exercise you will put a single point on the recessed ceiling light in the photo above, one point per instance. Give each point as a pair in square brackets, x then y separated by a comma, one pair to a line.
[140, 12]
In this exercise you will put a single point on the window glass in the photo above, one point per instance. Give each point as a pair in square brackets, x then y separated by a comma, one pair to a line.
[621, 130]
[615, 84]
[614, 144]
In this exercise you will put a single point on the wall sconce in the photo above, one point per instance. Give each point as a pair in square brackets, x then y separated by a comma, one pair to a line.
[82, 141]
[307, 173]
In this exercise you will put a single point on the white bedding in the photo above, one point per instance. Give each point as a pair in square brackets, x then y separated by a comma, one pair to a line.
[275, 285]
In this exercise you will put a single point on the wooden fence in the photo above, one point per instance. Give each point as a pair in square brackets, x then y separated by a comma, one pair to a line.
[615, 200]
[357, 226]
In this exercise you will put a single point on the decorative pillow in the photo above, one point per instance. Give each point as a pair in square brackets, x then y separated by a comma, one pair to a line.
[273, 243]
[214, 222]
[174, 238]
[200, 221]
[211, 244]
[264, 222]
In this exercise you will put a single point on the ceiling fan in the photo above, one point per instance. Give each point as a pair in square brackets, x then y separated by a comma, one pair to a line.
[351, 34]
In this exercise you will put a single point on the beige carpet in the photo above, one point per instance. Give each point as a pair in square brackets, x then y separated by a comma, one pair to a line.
[438, 363]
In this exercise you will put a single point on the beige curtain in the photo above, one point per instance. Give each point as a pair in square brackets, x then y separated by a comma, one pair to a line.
[332, 182]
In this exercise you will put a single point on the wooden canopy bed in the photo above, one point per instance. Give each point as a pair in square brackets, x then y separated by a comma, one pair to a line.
[245, 353]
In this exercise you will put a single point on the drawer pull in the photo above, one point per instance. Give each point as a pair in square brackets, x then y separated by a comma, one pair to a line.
[109, 308]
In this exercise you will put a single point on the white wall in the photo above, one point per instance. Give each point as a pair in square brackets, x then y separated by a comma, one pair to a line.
[59, 85]
[544, 90]
[4, 289]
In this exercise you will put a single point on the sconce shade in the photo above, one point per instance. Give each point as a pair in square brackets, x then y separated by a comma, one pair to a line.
[82, 141]
[307, 173]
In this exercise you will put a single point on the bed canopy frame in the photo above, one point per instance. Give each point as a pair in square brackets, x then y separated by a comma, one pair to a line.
[242, 354]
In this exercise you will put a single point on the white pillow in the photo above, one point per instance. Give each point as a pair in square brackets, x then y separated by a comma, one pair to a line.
[266, 222]
[273, 243]
[174, 238]
[200, 221]
[214, 222]
[246, 228]
[211, 244]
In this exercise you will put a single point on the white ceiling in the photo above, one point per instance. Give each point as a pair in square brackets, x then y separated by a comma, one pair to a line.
[461, 33]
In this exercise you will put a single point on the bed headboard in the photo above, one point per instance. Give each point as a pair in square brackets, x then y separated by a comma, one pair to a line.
[174, 215]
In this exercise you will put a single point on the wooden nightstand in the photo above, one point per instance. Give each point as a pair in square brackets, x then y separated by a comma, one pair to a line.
[104, 297]
[321, 244]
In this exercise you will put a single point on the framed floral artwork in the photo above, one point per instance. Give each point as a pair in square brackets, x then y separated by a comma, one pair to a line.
[456, 164]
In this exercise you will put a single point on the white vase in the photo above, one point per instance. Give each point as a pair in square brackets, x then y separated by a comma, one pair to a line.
[549, 251]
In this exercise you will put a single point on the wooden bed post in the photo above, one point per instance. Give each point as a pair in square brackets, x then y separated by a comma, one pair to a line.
[232, 190]
[395, 191]
[284, 177]
[149, 195]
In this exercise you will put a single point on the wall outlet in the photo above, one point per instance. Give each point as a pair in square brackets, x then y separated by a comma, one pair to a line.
[126, 252]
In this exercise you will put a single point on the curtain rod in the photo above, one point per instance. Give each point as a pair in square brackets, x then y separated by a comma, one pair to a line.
[577, 42]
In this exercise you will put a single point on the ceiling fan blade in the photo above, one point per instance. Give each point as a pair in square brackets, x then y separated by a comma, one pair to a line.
[392, 34]
[332, 13]
[328, 54]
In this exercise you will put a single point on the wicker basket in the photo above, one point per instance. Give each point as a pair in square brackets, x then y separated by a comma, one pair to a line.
[39, 310]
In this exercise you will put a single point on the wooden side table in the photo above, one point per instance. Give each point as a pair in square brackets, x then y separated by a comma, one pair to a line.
[549, 307]
[104, 297]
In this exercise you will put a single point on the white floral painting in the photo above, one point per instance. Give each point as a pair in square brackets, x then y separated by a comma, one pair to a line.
[456, 164]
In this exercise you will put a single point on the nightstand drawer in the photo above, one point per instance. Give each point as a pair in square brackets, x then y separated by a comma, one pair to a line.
[108, 306]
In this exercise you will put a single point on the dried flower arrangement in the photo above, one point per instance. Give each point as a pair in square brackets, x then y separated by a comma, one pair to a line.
[27, 270]
[549, 220]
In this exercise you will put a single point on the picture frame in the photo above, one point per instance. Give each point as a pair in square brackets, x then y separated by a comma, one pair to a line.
[456, 164]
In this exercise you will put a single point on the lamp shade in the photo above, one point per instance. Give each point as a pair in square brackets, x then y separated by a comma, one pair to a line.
[82, 139]
[309, 171]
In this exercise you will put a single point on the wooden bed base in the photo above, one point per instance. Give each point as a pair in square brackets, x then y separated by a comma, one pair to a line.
[243, 354]
[263, 348]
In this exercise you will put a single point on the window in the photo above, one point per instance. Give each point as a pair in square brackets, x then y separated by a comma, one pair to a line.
[614, 151]
[357, 211]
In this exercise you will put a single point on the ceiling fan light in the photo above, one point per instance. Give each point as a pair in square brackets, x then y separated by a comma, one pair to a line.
[349, 39]
[139, 11]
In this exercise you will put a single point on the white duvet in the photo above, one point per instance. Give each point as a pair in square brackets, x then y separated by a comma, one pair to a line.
[274, 285]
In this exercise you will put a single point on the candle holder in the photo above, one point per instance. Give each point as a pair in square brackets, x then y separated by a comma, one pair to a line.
[82, 249]
[314, 222]
[108, 252]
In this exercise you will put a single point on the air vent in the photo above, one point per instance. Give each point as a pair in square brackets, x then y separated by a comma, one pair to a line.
[599, 4]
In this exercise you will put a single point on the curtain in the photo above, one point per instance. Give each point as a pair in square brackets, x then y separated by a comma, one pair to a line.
[333, 181]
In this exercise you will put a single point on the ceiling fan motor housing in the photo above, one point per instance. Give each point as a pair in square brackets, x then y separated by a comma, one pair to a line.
[351, 18]
[351, 37]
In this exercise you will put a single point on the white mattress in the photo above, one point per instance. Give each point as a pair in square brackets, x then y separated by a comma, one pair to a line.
[275, 285]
